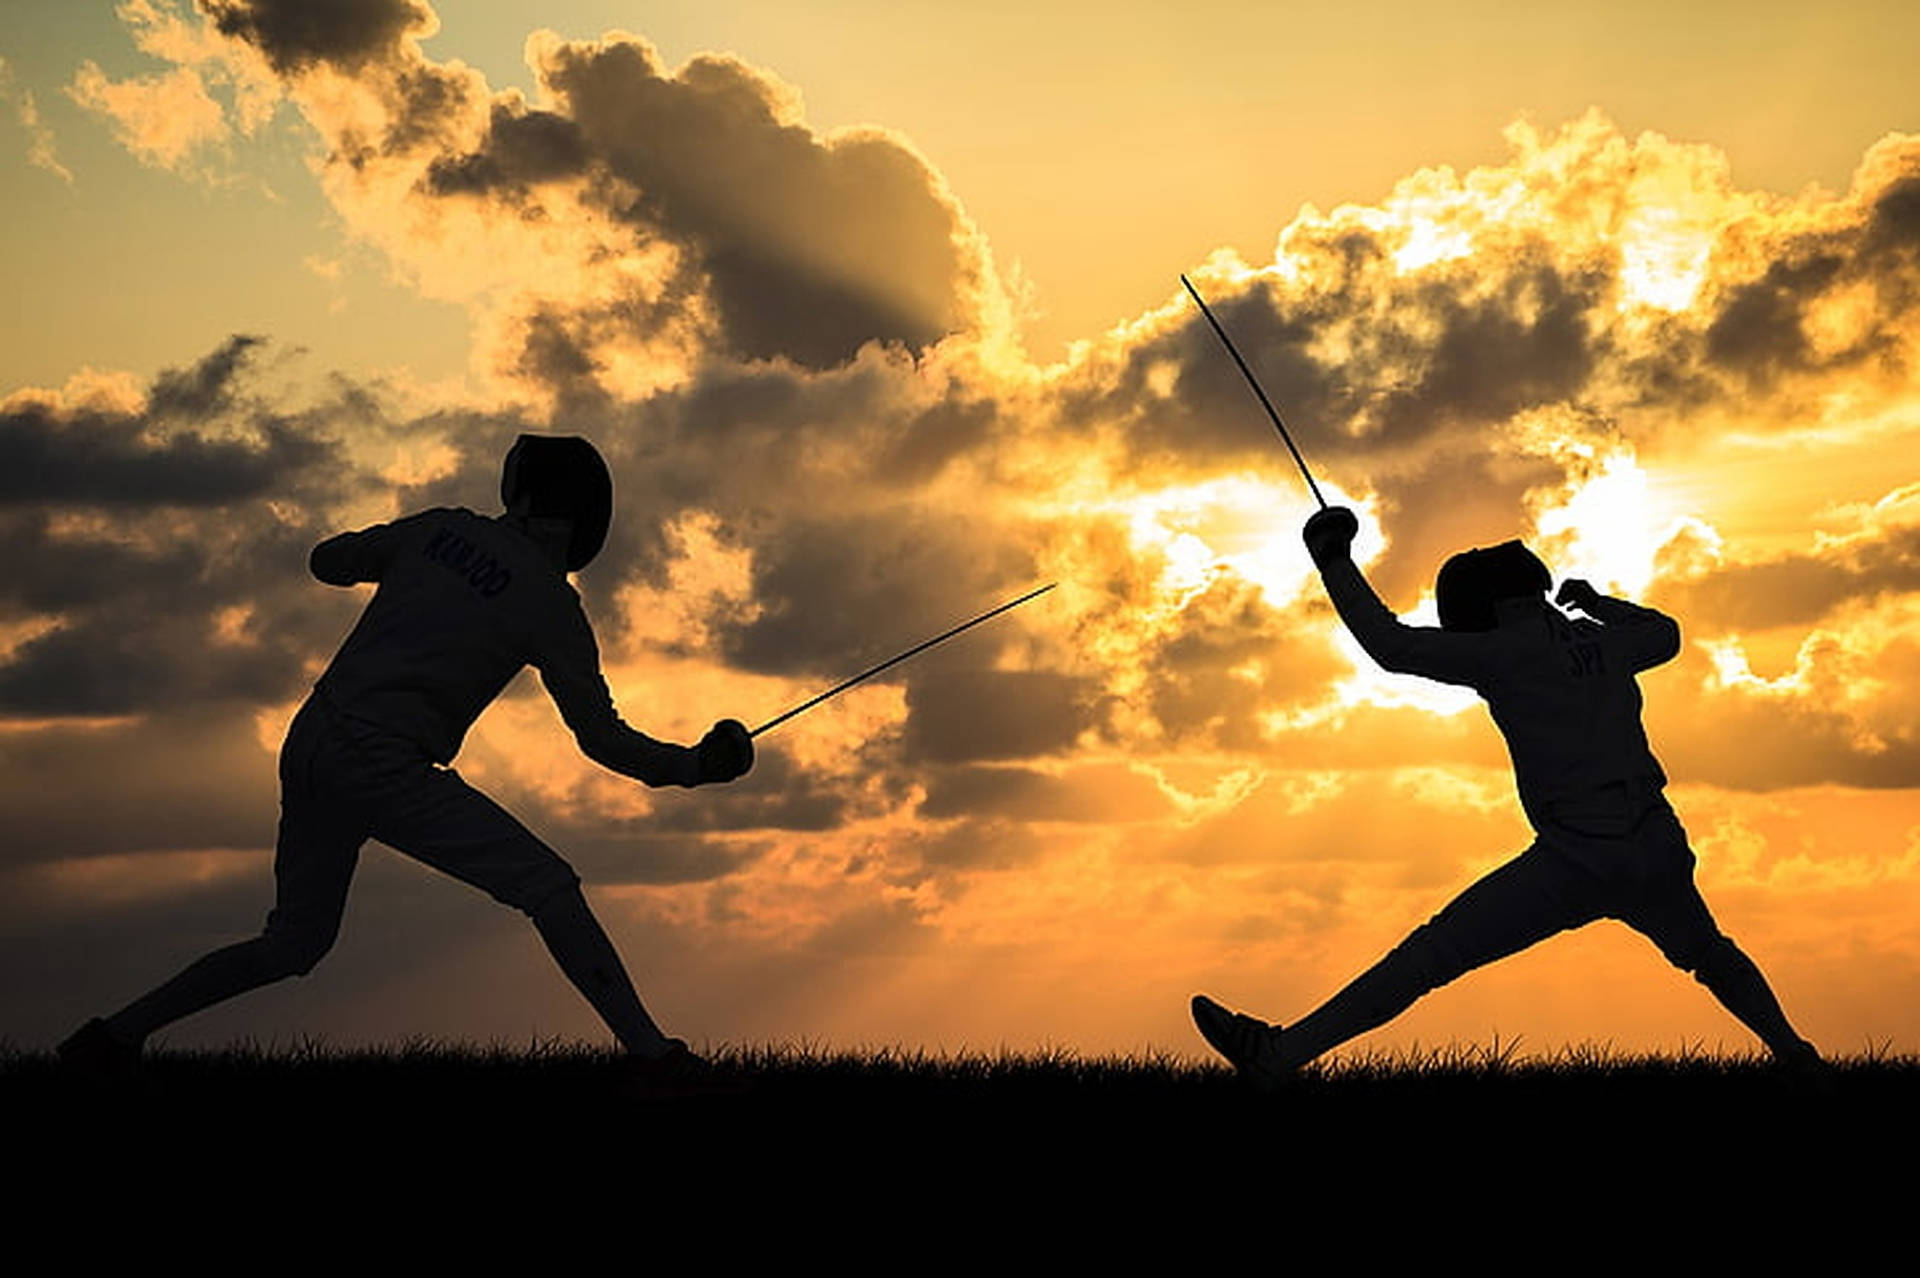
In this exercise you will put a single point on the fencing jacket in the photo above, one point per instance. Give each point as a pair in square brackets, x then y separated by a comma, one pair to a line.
[464, 603]
[1561, 691]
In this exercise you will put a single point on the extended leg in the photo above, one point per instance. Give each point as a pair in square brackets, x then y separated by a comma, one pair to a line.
[1737, 982]
[215, 978]
[1524, 901]
[1684, 929]
[313, 868]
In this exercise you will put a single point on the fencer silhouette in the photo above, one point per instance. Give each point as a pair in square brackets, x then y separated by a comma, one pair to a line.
[1562, 691]
[463, 603]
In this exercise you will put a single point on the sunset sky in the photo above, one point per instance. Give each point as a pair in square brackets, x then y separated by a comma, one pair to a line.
[874, 310]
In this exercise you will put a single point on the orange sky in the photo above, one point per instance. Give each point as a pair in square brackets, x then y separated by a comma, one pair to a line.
[839, 421]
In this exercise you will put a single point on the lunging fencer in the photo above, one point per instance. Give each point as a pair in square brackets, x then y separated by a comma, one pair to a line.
[463, 603]
[1562, 691]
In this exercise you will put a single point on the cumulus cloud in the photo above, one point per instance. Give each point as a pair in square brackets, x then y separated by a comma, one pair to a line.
[1832, 296]
[50, 454]
[346, 34]
[1843, 712]
[635, 216]
[163, 119]
[811, 246]
[155, 541]
[176, 119]
[1616, 289]
[1878, 558]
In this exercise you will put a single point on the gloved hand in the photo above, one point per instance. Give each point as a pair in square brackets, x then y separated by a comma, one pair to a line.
[1578, 594]
[725, 752]
[1329, 534]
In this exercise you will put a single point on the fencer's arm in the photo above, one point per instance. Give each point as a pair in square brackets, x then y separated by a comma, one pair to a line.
[340, 561]
[1653, 637]
[1396, 646]
[569, 667]
[615, 746]
[354, 557]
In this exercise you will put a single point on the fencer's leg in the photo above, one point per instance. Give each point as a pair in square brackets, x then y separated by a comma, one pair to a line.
[585, 953]
[313, 869]
[1679, 922]
[433, 815]
[1742, 989]
[315, 852]
[1524, 901]
[216, 977]
[1365, 1003]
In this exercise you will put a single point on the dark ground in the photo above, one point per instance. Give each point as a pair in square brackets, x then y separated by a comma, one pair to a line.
[1474, 1153]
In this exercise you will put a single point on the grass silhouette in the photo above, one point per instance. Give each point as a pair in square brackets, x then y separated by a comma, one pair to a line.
[828, 1138]
[1501, 1067]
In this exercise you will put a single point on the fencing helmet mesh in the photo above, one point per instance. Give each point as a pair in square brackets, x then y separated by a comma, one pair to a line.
[562, 477]
[1474, 580]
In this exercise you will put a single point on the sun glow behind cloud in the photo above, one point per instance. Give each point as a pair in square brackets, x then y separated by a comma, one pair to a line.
[1610, 528]
[1231, 524]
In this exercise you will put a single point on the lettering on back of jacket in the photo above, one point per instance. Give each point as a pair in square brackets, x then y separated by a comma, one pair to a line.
[485, 574]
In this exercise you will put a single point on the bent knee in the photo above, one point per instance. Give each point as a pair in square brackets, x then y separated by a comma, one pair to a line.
[1429, 958]
[1704, 957]
[290, 952]
[552, 895]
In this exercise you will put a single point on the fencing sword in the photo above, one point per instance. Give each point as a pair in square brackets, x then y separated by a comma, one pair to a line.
[1254, 382]
[868, 673]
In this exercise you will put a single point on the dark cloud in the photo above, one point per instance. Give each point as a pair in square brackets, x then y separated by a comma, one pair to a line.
[1759, 327]
[1231, 657]
[96, 459]
[843, 593]
[989, 843]
[793, 245]
[430, 101]
[52, 455]
[809, 247]
[1757, 331]
[1380, 371]
[141, 626]
[776, 795]
[934, 438]
[524, 148]
[192, 778]
[1365, 363]
[1744, 739]
[1895, 227]
[1459, 495]
[960, 715]
[170, 559]
[813, 246]
[298, 35]
[1101, 794]
[205, 387]
[557, 351]
[1798, 588]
